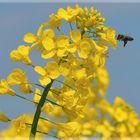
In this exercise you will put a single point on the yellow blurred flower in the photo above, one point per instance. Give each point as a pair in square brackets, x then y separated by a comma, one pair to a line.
[105, 129]
[102, 80]
[52, 110]
[3, 118]
[70, 129]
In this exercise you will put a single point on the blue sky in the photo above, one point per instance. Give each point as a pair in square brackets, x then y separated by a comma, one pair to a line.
[123, 64]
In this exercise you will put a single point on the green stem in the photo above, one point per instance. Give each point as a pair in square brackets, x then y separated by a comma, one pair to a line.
[60, 31]
[71, 26]
[38, 111]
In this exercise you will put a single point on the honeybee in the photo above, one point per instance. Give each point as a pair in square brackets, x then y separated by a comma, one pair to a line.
[124, 38]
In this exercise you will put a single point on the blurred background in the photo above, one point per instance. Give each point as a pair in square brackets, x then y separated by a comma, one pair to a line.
[123, 64]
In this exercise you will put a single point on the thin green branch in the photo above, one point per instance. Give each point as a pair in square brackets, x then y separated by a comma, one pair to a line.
[54, 103]
[25, 123]
[46, 134]
[36, 102]
[64, 84]
[28, 124]
[55, 92]
[50, 100]
[47, 120]
[25, 99]
[32, 65]
[32, 83]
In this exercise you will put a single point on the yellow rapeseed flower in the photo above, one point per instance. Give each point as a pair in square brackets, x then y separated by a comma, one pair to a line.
[29, 38]
[69, 14]
[50, 71]
[21, 54]
[54, 21]
[18, 77]
[5, 89]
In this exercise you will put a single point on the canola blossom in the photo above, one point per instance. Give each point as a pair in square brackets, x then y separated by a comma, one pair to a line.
[77, 107]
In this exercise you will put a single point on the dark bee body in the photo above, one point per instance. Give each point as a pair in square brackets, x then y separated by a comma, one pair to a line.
[124, 38]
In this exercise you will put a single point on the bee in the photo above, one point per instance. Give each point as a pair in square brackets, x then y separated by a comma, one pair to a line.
[124, 38]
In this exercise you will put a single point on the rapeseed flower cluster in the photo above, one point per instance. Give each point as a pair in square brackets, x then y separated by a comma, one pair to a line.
[77, 108]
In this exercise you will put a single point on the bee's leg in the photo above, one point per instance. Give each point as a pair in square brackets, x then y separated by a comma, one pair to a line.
[125, 42]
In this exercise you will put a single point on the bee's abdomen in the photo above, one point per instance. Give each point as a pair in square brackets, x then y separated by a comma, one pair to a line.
[129, 38]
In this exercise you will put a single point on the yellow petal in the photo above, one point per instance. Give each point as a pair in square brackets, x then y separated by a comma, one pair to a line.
[44, 80]
[29, 38]
[54, 21]
[84, 49]
[25, 88]
[37, 95]
[72, 48]
[48, 43]
[47, 54]
[52, 69]
[5, 89]
[15, 77]
[119, 102]
[23, 50]
[120, 114]
[47, 108]
[48, 33]
[62, 41]
[102, 76]
[80, 73]
[75, 35]
[40, 70]
[26, 60]
[61, 52]
[64, 69]
[111, 35]
[62, 13]
[15, 56]
[40, 30]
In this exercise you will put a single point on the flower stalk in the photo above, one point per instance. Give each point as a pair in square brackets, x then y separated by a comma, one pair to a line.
[38, 111]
